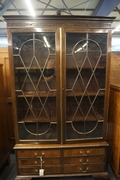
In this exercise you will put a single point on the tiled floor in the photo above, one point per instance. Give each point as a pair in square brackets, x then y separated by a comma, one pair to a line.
[9, 173]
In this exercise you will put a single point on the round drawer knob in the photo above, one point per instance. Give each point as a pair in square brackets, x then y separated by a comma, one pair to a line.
[36, 170]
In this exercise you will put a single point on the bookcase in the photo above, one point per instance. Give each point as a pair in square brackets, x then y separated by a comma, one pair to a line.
[60, 80]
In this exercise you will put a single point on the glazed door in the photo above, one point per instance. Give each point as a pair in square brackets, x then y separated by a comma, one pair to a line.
[36, 91]
[85, 62]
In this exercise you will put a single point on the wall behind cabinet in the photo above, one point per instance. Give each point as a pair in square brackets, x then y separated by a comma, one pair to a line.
[115, 68]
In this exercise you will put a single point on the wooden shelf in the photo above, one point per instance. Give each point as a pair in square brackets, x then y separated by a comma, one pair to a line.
[53, 94]
[31, 119]
[86, 67]
[68, 68]
[100, 118]
[40, 94]
[77, 93]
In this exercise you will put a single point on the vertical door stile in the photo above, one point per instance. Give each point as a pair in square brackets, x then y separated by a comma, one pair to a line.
[107, 93]
[61, 86]
[64, 84]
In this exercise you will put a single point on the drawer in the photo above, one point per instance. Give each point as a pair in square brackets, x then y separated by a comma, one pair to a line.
[35, 171]
[37, 153]
[36, 161]
[84, 152]
[84, 160]
[84, 168]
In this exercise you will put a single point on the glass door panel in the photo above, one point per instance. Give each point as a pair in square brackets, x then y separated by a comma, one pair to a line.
[35, 85]
[85, 85]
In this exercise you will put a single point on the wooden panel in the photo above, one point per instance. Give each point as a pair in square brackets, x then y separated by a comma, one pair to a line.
[114, 129]
[84, 160]
[4, 146]
[115, 68]
[37, 153]
[4, 59]
[35, 171]
[84, 152]
[33, 162]
[84, 168]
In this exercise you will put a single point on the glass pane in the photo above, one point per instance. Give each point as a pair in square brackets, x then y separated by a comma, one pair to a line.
[35, 85]
[85, 85]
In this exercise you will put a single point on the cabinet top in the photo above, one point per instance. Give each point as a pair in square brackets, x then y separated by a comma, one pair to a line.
[63, 21]
[63, 17]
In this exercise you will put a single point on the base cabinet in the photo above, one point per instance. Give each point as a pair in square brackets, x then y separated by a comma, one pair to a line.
[61, 160]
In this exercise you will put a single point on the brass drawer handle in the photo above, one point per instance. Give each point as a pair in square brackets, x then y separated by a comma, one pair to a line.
[80, 160]
[85, 154]
[85, 170]
[35, 162]
[36, 170]
[35, 154]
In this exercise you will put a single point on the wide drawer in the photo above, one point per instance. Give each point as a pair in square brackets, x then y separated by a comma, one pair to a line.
[84, 152]
[36, 161]
[84, 168]
[84, 160]
[47, 171]
[37, 153]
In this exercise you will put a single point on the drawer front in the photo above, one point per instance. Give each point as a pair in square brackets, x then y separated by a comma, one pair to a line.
[36, 161]
[84, 160]
[84, 168]
[35, 171]
[84, 152]
[37, 153]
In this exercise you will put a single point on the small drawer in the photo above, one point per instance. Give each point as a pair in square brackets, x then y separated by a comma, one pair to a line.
[84, 152]
[37, 153]
[84, 168]
[28, 171]
[34, 162]
[84, 160]
[35, 170]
